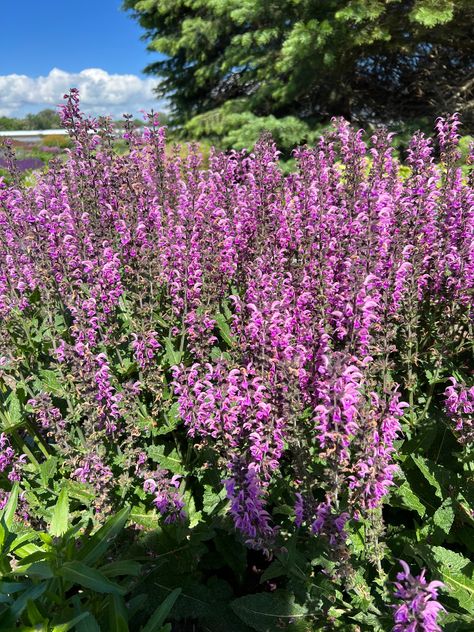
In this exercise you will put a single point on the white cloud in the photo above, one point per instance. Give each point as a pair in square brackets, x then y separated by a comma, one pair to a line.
[100, 92]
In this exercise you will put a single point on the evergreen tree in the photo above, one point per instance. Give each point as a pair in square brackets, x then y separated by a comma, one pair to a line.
[235, 67]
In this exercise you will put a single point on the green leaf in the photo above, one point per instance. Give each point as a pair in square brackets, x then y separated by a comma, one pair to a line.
[232, 552]
[135, 604]
[118, 619]
[426, 470]
[211, 500]
[157, 619]
[454, 570]
[407, 498]
[224, 329]
[36, 556]
[276, 569]
[149, 520]
[34, 615]
[121, 567]
[42, 570]
[30, 594]
[48, 469]
[87, 623]
[266, 612]
[7, 514]
[60, 518]
[14, 411]
[98, 544]
[449, 559]
[9, 588]
[435, 13]
[51, 382]
[173, 355]
[461, 588]
[170, 462]
[77, 491]
[172, 420]
[78, 573]
[444, 516]
[73, 624]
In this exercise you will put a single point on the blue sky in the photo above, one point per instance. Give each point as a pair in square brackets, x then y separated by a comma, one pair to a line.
[48, 46]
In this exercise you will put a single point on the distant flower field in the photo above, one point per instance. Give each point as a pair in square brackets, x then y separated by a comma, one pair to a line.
[234, 399]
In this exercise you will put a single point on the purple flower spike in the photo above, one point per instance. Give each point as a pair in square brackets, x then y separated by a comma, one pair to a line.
[419, 609]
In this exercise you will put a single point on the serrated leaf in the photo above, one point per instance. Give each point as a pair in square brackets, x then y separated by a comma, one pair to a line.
[461, 588]
[444, 516]
[78, 491]
[266, 612]
[408, 498]
[51, 382]
[423, 466]
[232, 553]
[149, 520]
[208, 603]
[211, 500]
[47, 469]
[454, 570]
[450, 559]
[171, 461]
[14, 416]
[173, 355]
[172, 420]
[276, 569]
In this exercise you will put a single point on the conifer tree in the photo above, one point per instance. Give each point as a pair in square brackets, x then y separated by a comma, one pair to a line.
[234, 67]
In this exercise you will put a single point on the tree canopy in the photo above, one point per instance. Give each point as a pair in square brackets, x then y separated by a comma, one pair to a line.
[232, 67]
[45, 119]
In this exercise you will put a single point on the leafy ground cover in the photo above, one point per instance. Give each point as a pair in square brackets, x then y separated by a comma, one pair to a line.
[234, 399]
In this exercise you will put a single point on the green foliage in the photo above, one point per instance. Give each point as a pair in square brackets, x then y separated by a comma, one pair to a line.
[230, 69]
[269, 611]
[61, 583]
[45, 119]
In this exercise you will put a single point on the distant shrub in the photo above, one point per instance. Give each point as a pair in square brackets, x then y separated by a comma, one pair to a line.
[56, 140]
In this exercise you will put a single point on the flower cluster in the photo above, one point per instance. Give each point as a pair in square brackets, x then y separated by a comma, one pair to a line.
[167, 500]
[459, 406]
[46, 414]
[283, 316]
[10, 462]
[419, 608]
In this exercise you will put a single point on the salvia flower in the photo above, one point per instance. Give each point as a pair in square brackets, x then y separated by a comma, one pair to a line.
[167, 499]
[331, 524]
[10, 462]
[459, 405]
[419, 608]
[246, 493]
